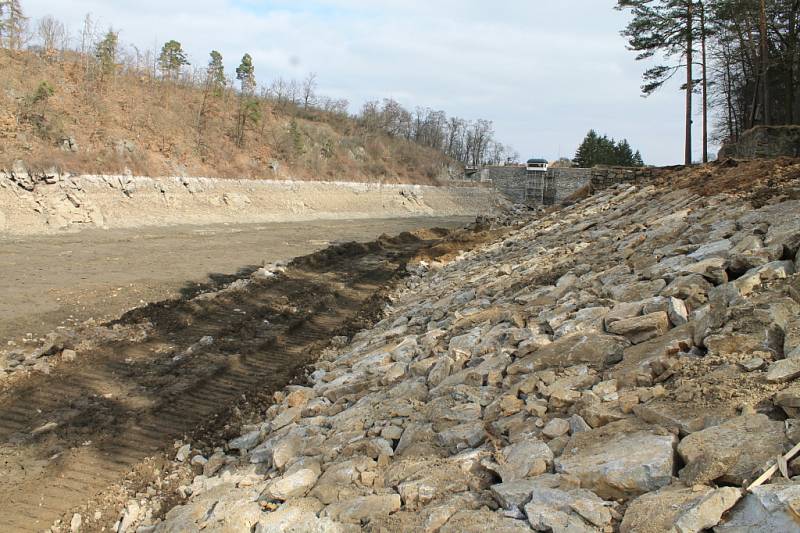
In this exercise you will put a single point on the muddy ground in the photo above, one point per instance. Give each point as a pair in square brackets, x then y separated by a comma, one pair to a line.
[52, 281]
[95, 430]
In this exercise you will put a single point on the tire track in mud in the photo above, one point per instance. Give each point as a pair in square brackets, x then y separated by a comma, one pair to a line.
[66, 436]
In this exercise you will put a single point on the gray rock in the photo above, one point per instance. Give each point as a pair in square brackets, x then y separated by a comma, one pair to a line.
[362, 508]
[578, 425]
[713, 249]
[637, 291]
[783, 370]
[752, 364]
[296, 519]
[246, 441]
[468, 435]
[642, 328]
[733, 451]
[677, 312]
[768, 509]
[679, 509]
[295, 484]
[530, 457]
[622, 311]
[596, 349]
[467, 521]
[556, 428]
[620, 460]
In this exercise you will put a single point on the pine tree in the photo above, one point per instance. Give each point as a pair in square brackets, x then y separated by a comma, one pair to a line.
[245, 73]
[172, 59]
[106, 53]
[216, 73]
[248, 107]
[596, 150]
[665, 27]
[623, 154]
[587, 151]
[12, 24]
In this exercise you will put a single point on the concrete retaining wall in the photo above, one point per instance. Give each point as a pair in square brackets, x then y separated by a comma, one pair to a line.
[557, 184]
[48, 203]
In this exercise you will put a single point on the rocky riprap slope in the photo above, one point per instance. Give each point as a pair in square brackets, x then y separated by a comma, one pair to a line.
[627, 363]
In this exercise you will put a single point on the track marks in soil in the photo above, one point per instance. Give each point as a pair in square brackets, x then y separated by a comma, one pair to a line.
[66, 436]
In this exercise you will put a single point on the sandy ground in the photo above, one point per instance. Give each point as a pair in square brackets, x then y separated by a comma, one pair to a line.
[60, 280]
[87, 435]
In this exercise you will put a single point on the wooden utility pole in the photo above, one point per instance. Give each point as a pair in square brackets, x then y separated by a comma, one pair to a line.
[765, 104]
[705, 80]
[689, 79]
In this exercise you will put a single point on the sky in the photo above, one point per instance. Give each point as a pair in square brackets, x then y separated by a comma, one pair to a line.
[543, 71]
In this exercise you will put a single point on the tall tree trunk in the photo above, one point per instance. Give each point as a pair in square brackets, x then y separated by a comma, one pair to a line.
[765, 104]
[732, 133]
[689, 81]
[705, 81]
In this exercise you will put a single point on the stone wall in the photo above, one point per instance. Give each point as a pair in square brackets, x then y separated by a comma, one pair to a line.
[764, 142]
[43, 203]
[557, 184]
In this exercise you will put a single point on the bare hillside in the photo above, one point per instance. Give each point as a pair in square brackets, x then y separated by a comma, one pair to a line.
[60, 111]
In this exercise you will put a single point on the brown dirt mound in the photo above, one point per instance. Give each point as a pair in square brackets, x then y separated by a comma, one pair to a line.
[759, 180]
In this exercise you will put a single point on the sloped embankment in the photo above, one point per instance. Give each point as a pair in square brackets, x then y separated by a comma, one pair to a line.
[627, 363]
[35, 203]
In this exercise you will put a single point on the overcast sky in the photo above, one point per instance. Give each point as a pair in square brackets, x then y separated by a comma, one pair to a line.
[544, 71]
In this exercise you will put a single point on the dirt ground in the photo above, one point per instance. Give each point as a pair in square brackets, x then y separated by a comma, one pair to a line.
[92, 432]
[52, 281]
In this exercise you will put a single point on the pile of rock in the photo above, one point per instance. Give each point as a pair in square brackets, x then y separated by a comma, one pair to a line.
[624, 364]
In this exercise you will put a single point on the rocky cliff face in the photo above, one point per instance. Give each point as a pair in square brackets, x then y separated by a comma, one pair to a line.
[764, 141]
[628, 363]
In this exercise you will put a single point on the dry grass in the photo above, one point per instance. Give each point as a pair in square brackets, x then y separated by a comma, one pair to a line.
[147, 126]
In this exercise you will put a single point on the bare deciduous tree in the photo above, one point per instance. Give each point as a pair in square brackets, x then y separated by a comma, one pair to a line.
[52, 33]
[308, 90]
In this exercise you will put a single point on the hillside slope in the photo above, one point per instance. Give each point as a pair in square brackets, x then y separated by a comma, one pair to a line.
[60, 112]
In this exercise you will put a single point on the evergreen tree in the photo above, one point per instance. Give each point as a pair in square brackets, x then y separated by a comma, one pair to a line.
[248, 106]
[597, 150]
[587, 151]
[623, 155]
[12, 24]
[245, 73]
[665, 27]
[172, 59]
[106, 53]
[216, 73]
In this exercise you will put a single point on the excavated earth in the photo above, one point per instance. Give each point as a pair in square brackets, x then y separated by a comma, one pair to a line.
[630, 362]
[86, 416]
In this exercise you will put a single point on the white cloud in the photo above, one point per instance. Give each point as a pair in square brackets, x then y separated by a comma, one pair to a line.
[544, 72]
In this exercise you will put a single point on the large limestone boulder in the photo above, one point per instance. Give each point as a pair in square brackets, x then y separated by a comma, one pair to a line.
[640, 290]
[300, 516]
[786, 233]
[529, 457]
[641, 328]
[363, 508]
[768, 509]
[677, 508]
[732, 451]
[482, 521]
[225, 507]
[592, 348]
[620, 460]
